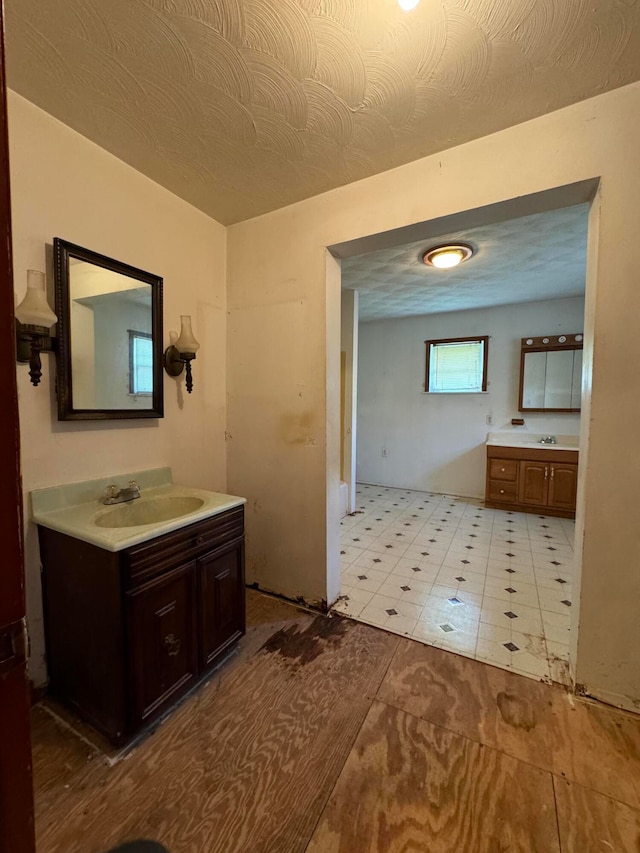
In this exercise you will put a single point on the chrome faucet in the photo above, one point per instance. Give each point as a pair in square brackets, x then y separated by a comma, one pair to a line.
[548, 439]
[114, 495]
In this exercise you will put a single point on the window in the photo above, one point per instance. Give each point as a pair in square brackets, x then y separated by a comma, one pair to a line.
[457, 366]
[140, 363]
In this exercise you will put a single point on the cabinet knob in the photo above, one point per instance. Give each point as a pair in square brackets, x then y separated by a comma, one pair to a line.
[172, 645]
[502, 469]
[199, 540]
[502, 491]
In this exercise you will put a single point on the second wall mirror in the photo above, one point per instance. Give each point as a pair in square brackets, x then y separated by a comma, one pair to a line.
[109, 337]
[551, 374]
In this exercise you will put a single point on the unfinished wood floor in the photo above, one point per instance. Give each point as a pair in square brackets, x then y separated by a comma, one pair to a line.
[327, 735]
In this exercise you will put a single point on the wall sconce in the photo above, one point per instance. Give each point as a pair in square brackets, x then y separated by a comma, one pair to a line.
[34, 319]
[181, 351]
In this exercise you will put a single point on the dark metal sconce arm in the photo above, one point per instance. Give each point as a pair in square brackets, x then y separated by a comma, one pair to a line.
[30, 342]
[176, 361]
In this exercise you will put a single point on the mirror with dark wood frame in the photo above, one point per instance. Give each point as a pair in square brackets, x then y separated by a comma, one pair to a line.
[109, 337]
[551, 374]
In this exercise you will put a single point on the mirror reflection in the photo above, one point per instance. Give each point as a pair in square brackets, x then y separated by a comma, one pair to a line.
[551, 374]
[110, 337]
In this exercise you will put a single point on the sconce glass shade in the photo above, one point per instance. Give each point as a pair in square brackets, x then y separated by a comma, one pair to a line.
[186, 342]
[34, 309]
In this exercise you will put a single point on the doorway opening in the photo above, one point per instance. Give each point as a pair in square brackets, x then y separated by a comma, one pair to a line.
[447, 534]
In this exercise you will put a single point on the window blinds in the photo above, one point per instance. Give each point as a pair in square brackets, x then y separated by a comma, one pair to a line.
[456, 367]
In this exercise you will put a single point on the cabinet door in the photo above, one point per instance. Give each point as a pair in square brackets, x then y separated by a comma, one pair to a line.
[563, 482]
[162, 641]
[534, 483]
[222, 611]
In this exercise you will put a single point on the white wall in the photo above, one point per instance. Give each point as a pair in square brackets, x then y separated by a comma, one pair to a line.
[65, 186]
[349, 346]
[282, 375]
[435, 442]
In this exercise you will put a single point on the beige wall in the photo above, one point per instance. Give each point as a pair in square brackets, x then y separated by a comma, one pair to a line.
[65, 186]
[281, 377]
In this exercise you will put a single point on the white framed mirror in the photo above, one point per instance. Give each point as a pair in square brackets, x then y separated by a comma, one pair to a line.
[551, 374]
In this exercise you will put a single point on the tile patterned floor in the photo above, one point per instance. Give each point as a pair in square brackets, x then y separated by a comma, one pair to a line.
[488, 584]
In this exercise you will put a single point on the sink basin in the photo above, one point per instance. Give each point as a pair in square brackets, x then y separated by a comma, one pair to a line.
[532, 440]
[73, 509]
[151, 511]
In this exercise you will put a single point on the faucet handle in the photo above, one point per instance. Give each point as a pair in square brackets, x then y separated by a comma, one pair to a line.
[111, 491]
[133, 484]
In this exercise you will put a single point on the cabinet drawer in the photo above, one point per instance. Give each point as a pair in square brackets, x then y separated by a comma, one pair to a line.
[149, 559]
[503, 469]
[498, 490]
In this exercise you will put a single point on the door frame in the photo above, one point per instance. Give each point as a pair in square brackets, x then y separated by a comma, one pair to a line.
[16, 789]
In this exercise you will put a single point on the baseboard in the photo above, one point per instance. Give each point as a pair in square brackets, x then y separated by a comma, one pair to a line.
[476, 497]
[617, 700]
[313, 606]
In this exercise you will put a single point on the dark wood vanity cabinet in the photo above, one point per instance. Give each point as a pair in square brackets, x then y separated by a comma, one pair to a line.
[130, 632]
[535, 479]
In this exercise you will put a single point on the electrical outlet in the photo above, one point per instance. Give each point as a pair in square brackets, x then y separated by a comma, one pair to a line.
[385, 452]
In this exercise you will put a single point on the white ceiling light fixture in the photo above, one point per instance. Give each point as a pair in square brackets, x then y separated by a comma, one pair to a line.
[447, 256]
[408, 5]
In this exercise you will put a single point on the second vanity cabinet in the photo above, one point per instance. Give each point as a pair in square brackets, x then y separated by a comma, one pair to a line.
[129, 632]
[532, 479]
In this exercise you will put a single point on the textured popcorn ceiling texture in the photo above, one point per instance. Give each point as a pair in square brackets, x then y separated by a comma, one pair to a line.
[522, 260]
[243, 106]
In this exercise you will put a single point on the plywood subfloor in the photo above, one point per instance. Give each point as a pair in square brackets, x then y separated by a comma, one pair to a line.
[329, 735]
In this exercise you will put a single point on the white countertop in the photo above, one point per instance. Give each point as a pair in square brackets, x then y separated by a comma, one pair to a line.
[73, 509]
[531, 440]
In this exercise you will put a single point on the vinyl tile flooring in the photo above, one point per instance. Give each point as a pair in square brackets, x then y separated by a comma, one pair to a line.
[327, 735]
[488, 584]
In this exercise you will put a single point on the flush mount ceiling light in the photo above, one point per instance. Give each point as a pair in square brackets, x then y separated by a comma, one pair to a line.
[447, 256]
[408, 5]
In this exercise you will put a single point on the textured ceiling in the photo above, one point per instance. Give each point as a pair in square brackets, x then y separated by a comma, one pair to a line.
[243, 106]
[521, 260]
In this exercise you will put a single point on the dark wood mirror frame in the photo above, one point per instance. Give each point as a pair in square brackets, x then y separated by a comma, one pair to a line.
[62, 253]
[549, 343]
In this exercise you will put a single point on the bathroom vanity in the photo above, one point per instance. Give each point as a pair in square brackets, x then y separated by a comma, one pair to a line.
[138, 613]
[527, 476]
